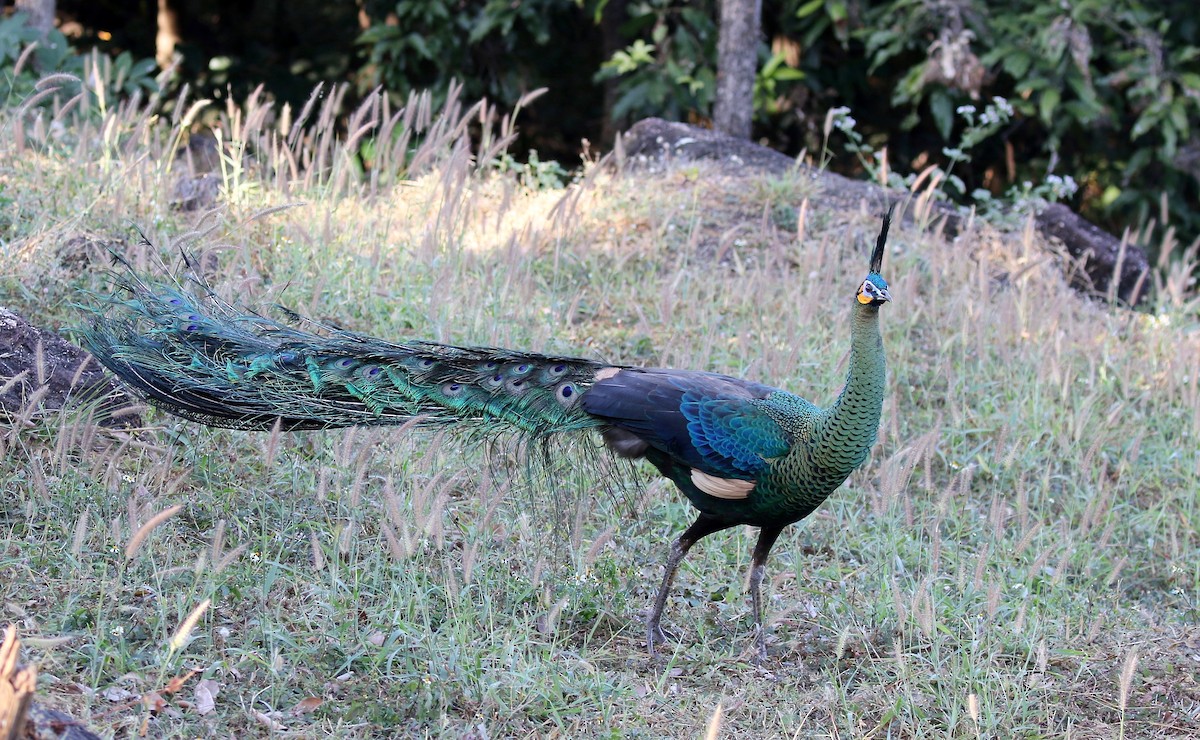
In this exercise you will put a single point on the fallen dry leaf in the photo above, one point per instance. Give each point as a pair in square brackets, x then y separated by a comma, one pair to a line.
[266, 721]
[304, 706]
[153, 701]
[176, 683]
[206, 695]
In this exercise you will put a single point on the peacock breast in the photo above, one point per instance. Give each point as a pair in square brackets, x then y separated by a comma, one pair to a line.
[797, 484]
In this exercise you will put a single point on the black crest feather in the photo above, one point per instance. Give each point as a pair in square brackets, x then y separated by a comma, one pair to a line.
[877, 255]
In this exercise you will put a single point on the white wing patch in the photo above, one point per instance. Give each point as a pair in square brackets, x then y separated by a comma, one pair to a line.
[726, 488]
[605, 373]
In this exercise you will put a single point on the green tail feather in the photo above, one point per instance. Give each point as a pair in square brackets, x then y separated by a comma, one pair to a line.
[207, 361]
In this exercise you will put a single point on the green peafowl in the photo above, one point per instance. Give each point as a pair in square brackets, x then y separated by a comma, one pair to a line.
[742, 452]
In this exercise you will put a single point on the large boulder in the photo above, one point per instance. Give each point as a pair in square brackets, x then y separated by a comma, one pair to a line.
[1100, 255]
[40, 370]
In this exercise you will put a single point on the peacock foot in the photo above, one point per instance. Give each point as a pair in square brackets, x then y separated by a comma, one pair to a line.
[760, 645]
[656, 635]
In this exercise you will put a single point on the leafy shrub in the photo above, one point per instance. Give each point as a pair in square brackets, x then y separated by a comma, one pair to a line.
[26, 57]
[496, 49]
[1103, 91]
[669, 68]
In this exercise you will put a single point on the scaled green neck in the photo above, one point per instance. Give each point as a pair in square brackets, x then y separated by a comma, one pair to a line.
[852, 422]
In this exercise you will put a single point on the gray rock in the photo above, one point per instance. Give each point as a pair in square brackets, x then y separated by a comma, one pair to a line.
[39, 368]
[653, 141]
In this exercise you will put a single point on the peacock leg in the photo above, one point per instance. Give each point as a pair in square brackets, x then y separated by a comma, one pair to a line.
[766, 540]
[702, 527]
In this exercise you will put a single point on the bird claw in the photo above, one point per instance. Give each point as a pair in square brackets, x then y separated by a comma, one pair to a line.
[760, 645]
[656, 635]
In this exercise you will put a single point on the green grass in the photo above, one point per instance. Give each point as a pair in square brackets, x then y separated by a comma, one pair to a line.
[1026, 527]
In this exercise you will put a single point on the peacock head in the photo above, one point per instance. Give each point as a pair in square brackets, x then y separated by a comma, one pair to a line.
[874, 290]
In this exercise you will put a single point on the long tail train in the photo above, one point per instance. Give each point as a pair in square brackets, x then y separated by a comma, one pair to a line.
[207, 361]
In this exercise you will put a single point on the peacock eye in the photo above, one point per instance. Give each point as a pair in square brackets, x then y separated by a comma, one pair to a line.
[176, 301]
[558, 369]
[521, 369]
[452, 389]
[566, 394]
[371, 371]
[345, 362]
[427, 363]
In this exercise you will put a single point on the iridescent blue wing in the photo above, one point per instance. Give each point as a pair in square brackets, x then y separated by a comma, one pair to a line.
[713, 423]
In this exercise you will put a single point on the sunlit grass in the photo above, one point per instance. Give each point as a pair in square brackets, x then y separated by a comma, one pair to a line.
[1028, 519]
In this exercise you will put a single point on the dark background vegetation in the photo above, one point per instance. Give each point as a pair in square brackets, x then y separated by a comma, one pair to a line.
[1107, 92]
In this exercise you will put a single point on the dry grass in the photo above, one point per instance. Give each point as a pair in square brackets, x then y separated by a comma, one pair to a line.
[1019, 559]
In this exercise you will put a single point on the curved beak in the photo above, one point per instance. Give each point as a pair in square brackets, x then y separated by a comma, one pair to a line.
[884, 295]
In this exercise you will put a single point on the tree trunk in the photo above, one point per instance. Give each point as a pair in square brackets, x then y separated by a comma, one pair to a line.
[737, 61]
[167, 37]
[40, 12]
[611, 41]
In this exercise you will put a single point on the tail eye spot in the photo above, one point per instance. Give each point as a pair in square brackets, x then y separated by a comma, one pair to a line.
[566, 394]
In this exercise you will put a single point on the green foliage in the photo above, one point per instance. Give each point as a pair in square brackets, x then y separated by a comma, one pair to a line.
[534, 173]
[6, 210]
[1104, 91]
[106, 79]
[423, 42]
[674, 75]
[771, 83]
[114, 78]
[50, 55]
[497, 50]
[1017, 201]
[489, 46]
[668, 67]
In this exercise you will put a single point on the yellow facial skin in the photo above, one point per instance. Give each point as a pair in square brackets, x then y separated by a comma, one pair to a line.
[868, 292]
